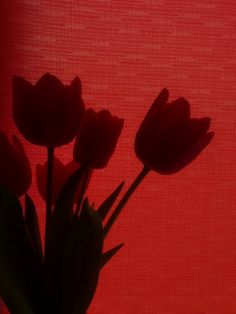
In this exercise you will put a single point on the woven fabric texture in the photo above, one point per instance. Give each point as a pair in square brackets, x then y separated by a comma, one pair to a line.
[179, 231]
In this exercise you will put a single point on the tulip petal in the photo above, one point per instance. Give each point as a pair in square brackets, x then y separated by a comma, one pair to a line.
[203, 124]
[199, 146]
[195, 129]
[77, 86]
[47, 113]
[158, 104]
[72, 166]
[177, 146]
[149, 130]
[97, 138]
[174, 113]
[48, 83]
[167, 134]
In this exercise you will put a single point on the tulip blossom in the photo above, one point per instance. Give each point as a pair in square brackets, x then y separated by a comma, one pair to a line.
[61, 173]
[15, 172]
[47, 113]
[168, 139]
[97, 138]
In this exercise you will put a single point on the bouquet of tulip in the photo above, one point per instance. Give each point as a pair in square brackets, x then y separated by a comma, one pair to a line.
[61, 276]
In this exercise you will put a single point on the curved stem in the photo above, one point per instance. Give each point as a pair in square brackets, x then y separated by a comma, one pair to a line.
[125, 199]
[50, 151]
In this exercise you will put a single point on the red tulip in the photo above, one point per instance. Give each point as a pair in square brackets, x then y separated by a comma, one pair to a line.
[15, 172]
[61, 173]
[48, 113]
[168, 139]
[97, 138]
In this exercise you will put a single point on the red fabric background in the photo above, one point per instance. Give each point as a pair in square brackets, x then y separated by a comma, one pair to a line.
[179, 231]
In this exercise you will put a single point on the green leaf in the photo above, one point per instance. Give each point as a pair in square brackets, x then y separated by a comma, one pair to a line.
[59, 227]
[105, 207]
[20, 270]
[82, 189]
[61, 218]
[109, 254]
[124, 200]
[82, 261]
[31, 220]
[63, 209]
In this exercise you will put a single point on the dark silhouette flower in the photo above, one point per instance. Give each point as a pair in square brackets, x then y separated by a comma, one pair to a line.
[48, 113]
[168, 139]
[15, 172]
[61, 173]
[97, 138]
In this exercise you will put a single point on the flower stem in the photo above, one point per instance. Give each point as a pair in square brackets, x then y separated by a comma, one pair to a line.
[125, 199]
[49, 190]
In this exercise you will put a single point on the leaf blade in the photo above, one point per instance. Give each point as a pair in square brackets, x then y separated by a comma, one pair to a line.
[20, 270]
[106, 206]
[82, 261]
[31, 220]
[59, 227]
[106, 257]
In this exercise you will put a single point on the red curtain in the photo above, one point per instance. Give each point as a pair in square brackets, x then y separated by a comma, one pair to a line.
[179, 231]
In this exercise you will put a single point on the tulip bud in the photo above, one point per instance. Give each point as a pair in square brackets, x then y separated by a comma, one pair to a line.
[168, 139]
[97, 138]
[47, 113]
[61, 173]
